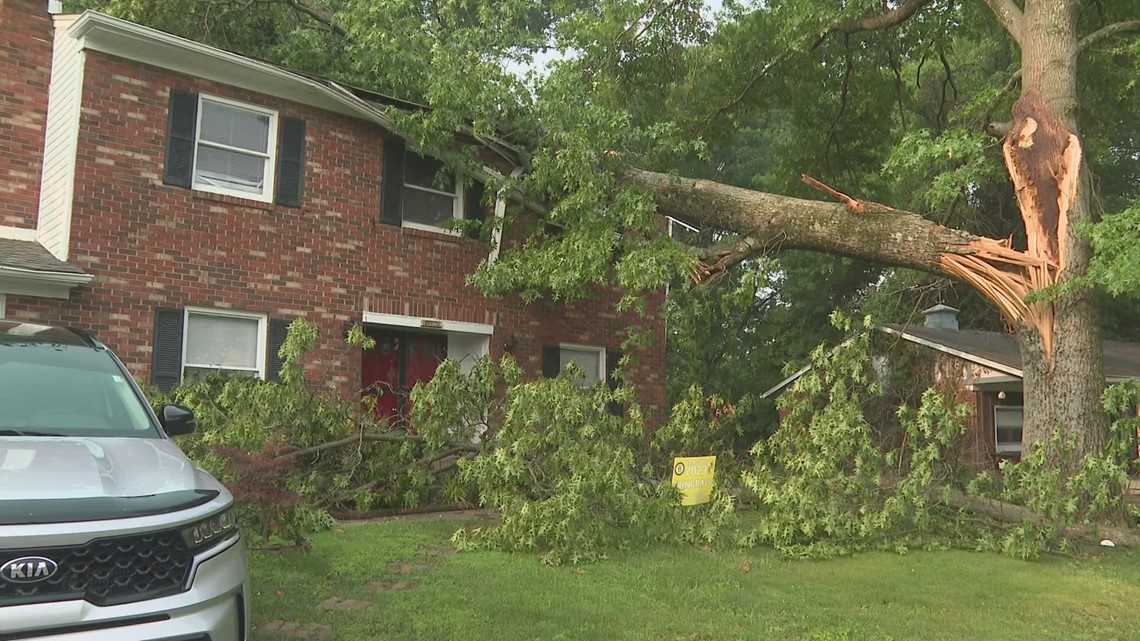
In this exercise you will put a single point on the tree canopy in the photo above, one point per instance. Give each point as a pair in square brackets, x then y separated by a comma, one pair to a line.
[651, 107]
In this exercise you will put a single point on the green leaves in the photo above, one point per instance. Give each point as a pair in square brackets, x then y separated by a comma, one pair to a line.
[1116, 262]
[945, 167]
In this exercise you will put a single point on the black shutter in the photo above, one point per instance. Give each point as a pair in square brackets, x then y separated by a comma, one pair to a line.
[290, 162]
[181, 124]
[551, 359]
[613, 358]
[167, 368]
[278, 330]
[473, 207]
[392, 184]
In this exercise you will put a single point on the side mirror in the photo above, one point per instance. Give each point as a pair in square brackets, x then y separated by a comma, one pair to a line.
[176, 420]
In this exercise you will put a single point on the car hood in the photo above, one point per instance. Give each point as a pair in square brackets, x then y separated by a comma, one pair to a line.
[43, 468]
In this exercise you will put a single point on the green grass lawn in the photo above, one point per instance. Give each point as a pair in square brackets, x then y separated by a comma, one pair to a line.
[408, 585]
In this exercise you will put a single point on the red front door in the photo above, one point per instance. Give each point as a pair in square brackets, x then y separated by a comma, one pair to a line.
[392, 368]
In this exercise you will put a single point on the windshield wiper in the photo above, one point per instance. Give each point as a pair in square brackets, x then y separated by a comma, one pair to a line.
[8, 432]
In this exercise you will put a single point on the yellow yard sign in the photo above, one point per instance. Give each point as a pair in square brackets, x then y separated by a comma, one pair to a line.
[693, 475]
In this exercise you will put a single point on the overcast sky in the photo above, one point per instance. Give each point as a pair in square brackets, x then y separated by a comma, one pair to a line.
[542, 59]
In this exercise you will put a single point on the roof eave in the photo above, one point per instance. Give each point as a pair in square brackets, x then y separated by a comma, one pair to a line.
[41, 283]
[122, 39]
[946, 349]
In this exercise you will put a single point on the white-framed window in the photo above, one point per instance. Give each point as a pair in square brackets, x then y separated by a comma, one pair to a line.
[3, 305]
[592, 361]
[235, 148]
[223, 340]
[1007, 428]
[432, 194]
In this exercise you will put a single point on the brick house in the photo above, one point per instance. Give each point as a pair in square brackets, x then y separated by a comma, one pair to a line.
[186, 203]
[981, 369]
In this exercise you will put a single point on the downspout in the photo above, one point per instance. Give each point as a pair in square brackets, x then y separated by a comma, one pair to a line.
[500, 216]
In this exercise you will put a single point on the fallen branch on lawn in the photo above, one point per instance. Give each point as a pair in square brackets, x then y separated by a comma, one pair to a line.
[1010, 513]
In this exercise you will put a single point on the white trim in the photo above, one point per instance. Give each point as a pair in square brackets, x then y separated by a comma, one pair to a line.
[3, 306]
[262, 338]
[17, 233]
[416, 322]
[973, 358]
[269, 156]
[432, 228]
[61, 140]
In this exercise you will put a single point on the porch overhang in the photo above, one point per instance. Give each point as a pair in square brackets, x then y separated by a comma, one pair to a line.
[28, 269]
[993, 384]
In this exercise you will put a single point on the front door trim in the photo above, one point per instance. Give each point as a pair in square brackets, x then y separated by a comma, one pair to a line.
[416, 322]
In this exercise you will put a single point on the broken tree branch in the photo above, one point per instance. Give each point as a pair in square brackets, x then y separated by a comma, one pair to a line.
[882, 234]
[1010, 513]
[852, 204]
[387, 437]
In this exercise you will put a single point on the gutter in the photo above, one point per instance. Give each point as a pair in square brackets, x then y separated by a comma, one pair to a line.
[52, 278]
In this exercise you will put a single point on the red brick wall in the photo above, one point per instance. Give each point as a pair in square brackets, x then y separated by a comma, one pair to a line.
[152, 245]
[25, 66]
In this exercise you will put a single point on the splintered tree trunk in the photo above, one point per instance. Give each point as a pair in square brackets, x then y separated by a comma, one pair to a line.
[1063, 373]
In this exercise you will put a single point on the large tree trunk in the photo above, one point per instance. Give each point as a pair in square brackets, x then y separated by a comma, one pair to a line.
[1062, 389]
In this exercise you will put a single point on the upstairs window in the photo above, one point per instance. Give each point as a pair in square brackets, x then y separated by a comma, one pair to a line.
[235, 149]
[416, 191]
[432, 195]
[231, 148]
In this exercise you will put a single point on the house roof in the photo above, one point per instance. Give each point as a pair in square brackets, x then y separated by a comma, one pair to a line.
[994, 350]
[28, 255]
[131, 41]
[1000, 351]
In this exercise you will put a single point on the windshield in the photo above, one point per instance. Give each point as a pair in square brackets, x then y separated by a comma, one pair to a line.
[60, 389]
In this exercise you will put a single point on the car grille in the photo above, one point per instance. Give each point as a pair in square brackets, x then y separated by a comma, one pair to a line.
[106, 571]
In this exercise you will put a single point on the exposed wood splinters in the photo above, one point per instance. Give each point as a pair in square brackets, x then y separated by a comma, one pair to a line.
[856, 206]
[1044, 161]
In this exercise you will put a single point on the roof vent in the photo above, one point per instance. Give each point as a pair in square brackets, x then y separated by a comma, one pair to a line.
[942, 317]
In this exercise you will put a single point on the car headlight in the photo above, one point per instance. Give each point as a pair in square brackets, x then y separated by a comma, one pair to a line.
[210, 530]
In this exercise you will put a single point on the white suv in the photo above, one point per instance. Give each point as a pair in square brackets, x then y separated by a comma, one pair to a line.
[107, 531]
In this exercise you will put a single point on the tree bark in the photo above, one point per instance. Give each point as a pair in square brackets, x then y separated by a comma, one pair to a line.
[771, 222]
[1062, 389]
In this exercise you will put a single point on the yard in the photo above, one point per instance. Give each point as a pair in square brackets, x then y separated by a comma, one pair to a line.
[399, 579]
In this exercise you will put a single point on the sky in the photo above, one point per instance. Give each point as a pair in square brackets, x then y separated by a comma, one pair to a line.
[543, 59]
